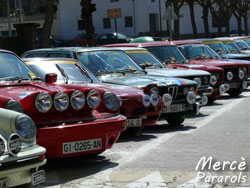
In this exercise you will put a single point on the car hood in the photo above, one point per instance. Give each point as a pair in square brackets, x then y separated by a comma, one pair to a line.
[218, 62]
[177, 72]
[235, 56]
[141, 81]
[245, 51]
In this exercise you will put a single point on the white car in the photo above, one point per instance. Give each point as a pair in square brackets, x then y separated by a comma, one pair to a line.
[20, 156]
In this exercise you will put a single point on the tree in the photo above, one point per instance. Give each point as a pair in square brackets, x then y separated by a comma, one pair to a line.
[87, 9]
[222, 12]
[241, 9]
[191, 9]
[49, 17]
[205, 4]
[177, 4]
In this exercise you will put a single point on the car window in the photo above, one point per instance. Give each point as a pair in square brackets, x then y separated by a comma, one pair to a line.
[75, 75]
[11, 66]
[143, 57]
[97, 61]
[58, 54]
[232, 47]
[242, 45]
[247, 41]
[195, 51]
[218, 47]
[103, 37]
[39, 54]
[121, 36]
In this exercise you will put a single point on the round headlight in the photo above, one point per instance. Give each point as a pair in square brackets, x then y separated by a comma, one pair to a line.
[198, 80]
[154, 90]
[222, 89]
[93, 99]
[229, 75]
[61, 101]
[204, 100]
[43, 102]
[2, 147]
[14, 144]
[25, 127]
[14, 105]
[213, 80]
[154, 99]
[206, 80]
[241, 74]
[244, 84]
[191, 97]
[146, 100]
[77, 100]
[167, 99]
[111, 101]
[185, 90]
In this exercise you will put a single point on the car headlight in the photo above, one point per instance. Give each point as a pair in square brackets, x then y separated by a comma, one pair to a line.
[154, 99]
[167, 99]
[198, 80]
[154, 90]
[43, 102]
[61, 101]
[14, 105]
[77, 100]
[229, 75]
[111, 101]
[2, 147]
[93, 99]
[191, 97]
[146, 100]
[206, 80]
[241, 74]
[25, 127]
[14, 144]
[185, 90]
[213, 80]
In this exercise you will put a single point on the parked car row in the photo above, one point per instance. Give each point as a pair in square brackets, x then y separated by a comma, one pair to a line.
[76, 101]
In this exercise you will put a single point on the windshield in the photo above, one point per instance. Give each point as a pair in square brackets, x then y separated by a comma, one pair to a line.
[13, 67]
[167, 54]
[232, 47]
[247, 41]
[144, 58]
[107, 61]
[242, 45]
[195, 51]
[41, 68]
[218, 47]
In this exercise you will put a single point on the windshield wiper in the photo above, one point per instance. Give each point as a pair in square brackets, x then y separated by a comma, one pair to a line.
[124, 71]
[63, 73]
[103, 72]
[143, 66]
[84, 71]
[37, 78]
[13, 78]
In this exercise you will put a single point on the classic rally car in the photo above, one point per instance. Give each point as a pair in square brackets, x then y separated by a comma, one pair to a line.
[236, 73]
[115, 67]
[71, 120]
[172, 58]
[20, 156]
[139, 108]
[224, 52]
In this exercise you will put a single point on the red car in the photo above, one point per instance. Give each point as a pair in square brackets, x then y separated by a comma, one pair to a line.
[170, 56]
[236, 73]
[134, 106]
[71, 120]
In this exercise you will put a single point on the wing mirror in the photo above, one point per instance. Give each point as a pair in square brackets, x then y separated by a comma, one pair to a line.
[51, 78]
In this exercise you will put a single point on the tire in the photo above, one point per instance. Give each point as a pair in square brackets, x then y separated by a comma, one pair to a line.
[176, 121]
[211, 100]
[235, 92]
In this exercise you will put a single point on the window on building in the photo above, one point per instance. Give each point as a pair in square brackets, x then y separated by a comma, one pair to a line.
[152, 1]
[106, 23]
[81, 25]
[128, 21]
[114, 0]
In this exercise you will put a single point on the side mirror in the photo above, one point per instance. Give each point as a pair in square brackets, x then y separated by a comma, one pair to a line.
[51, 78]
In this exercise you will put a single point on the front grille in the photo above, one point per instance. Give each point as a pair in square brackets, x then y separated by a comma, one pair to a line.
[173, 91]
[138, 112]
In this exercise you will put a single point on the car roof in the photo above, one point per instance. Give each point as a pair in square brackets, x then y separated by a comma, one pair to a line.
[180, 42]
[71, 49]
[141, 44]
[208, 39]
[30, 60]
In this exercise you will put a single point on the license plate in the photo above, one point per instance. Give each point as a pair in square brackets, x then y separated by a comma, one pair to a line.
[174, 108]
[234, 85]
[38, 177]
[134, 122]
[80, 146]
[4, 183]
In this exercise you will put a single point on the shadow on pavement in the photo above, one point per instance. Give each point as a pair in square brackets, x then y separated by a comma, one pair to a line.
[166, 128]
[127, 137]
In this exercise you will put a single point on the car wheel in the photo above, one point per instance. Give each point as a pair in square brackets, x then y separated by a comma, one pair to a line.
[211, 100]
[235, 92]
[176, 121]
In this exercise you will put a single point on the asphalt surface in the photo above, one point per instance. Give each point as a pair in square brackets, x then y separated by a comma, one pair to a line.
[165, 156]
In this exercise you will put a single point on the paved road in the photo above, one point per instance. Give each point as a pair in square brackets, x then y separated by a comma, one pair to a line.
[166, 156]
